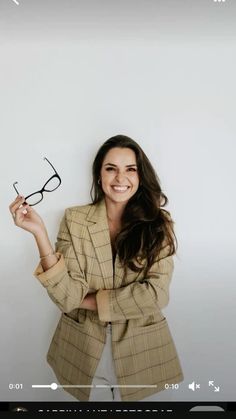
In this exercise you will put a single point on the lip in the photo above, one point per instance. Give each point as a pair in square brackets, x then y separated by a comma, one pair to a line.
[119, 186]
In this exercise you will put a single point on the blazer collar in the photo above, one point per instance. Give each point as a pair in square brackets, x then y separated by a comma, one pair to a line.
[98, 213]
[100, 237]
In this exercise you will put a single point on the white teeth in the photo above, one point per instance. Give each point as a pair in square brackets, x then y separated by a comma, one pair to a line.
[120, 188]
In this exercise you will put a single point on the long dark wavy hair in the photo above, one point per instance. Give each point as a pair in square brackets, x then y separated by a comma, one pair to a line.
[146, 228]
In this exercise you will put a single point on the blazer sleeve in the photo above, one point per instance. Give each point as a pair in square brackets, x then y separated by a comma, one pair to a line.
[139, 298]
[65, 282]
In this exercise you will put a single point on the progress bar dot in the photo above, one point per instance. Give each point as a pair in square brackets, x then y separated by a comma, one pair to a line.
[54, 386]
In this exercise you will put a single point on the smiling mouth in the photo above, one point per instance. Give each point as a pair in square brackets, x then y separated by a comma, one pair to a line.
[120, 188]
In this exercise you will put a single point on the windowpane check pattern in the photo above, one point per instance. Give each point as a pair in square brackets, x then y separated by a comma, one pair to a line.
[51, 185]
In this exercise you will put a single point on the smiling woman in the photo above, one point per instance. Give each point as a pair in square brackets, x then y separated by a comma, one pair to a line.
[119, 181]
[109, 275]
[119, 178]
[124, 177]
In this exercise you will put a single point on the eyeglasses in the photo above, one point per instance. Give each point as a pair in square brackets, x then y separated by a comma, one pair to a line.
[51, 185]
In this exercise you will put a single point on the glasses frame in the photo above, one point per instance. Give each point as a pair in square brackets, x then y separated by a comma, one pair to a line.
[41, 191]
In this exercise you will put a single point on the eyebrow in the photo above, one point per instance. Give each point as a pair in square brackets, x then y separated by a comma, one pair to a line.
[128, 165]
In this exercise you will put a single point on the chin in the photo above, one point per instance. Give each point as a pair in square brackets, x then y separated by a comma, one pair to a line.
[119, 199]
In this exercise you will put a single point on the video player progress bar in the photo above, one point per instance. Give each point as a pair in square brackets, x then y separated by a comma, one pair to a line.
[55, 386]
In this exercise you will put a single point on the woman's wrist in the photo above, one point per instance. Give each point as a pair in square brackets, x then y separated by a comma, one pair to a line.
[47, 254]
[40, 234]
[50, 253]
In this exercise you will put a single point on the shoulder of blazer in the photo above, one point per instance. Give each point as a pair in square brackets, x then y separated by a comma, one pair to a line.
[86, 213]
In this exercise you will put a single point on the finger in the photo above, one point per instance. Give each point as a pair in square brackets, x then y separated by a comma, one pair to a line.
[18, 217]
[23, 209]
[17, 198]
[16, 201]
[13, 203]
[26, 208]
[16, 204]
[17, 214]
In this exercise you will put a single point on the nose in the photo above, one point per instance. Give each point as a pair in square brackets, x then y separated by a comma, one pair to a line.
[120, 177]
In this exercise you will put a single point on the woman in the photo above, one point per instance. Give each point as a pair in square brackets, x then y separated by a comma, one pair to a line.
[110, 275]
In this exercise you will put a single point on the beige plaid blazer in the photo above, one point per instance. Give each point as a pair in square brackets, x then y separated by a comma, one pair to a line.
[143, 349]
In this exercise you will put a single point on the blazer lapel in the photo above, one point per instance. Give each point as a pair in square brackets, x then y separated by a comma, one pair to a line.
[118, 273]
[100, 237]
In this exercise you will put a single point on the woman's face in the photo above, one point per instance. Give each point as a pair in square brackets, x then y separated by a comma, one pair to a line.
[119, 174]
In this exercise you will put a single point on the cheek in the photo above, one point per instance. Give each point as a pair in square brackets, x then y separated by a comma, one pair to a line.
[135, 179]
[106, 178]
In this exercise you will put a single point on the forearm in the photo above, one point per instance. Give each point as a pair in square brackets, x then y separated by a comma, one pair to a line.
[65, 287]
[64, 279]
[139, 298]
[46, 251]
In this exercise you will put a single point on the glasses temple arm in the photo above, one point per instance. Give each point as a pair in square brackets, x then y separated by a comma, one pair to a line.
[45, 158]
[15, 188]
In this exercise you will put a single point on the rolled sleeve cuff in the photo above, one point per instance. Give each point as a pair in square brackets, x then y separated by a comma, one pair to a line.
[48, 277]
[103, 305]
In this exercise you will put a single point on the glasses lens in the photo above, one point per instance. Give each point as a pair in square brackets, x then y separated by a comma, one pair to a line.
[52, 184]
[34, 198]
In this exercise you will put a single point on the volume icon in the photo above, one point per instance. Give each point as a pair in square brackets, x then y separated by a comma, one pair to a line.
[193, 386]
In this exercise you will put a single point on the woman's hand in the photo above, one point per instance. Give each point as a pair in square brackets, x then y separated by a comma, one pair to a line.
[25, 216]
[89, 302]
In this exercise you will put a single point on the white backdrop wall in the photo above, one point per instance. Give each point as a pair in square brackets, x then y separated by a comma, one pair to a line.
[72, 75]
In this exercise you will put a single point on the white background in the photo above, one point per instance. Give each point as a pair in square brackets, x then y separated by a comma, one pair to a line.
[73, 74]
